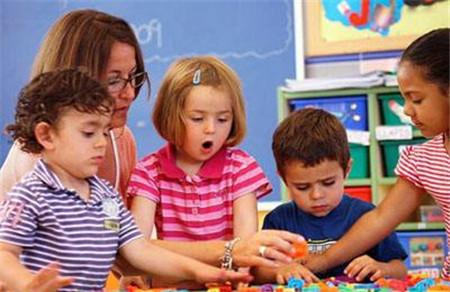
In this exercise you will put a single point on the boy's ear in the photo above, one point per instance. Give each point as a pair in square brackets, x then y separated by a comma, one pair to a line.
[44, 135]
[349, 168]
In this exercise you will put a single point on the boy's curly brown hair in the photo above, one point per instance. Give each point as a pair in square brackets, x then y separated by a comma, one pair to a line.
[48, 95]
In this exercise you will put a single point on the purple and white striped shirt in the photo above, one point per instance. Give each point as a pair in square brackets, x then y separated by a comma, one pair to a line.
[52, 223]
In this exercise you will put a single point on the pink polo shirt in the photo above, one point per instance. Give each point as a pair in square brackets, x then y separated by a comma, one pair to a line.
[198, 207]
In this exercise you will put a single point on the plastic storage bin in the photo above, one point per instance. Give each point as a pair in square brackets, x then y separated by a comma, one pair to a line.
[392, 109]
[426, 249]
[392, 150]
[431, 213]
[351, 111]
[360, 156]
[362, 193]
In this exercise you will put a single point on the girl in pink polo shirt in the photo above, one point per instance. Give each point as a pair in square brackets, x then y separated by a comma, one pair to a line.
[198, 186]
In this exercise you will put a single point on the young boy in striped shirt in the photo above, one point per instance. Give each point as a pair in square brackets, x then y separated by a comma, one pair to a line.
[61, 227]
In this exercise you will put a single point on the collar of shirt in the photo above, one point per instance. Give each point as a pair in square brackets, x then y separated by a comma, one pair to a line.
[212, 168]
[99, 189]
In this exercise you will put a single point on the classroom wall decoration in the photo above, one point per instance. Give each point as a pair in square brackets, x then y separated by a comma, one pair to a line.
[376, 16]
[354, 26]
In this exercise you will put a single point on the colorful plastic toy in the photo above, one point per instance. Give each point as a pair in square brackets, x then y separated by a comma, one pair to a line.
[300, 250]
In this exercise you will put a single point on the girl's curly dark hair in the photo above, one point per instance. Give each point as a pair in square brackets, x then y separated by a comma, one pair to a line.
[48, 95]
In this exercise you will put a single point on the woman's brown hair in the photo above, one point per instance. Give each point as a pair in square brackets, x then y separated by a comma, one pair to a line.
[84, 38]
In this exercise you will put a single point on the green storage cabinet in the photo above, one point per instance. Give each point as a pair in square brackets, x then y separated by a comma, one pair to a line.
[391, 153]
[373, 165]
[360, 156]
[392, 109]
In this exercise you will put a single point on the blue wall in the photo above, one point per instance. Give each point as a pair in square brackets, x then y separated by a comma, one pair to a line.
[255, 38]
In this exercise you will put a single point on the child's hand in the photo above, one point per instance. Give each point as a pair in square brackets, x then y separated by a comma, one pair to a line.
[138, 281]
[48, 280]
[363, 266]
[211, 274]
[3, 287]
[295, 270]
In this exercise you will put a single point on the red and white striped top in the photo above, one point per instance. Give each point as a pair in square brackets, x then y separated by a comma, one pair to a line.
[198, 207]
[428, 167]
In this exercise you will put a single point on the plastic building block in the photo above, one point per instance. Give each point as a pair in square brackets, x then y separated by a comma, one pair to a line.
[300, 250]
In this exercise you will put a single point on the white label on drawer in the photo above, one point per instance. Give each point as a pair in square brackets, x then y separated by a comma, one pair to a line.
[358, 137]
[394, 132]
[421, 225]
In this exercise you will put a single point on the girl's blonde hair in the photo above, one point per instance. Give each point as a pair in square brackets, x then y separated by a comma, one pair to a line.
[168, 116]
[84, 38]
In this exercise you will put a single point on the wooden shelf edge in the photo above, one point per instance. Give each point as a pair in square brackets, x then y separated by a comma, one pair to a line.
[358, 182]
[387, 180]
[415, 226]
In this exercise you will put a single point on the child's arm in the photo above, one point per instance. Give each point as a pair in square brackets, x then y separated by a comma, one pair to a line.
[17, 278]
[143, 211]
[12, 272]
[372, 227]
[364, 266]
[245, 216]
[158, 261]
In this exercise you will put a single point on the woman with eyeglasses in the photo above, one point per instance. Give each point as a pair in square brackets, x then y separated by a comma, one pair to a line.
[107, 48]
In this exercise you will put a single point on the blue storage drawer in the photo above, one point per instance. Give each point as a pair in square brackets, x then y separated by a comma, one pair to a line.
[351, 110]
[426, 249]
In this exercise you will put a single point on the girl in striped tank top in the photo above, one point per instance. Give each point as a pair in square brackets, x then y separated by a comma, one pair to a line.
[423, 78]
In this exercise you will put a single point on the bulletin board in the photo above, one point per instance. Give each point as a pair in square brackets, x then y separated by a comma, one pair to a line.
[329, 31]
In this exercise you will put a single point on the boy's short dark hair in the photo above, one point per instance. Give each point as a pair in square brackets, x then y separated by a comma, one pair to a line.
[310, 136]
[48, 95]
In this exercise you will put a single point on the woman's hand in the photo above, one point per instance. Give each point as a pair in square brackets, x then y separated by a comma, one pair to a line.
[276, 245]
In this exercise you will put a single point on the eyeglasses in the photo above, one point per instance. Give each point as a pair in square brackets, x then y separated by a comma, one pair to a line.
[117, 84]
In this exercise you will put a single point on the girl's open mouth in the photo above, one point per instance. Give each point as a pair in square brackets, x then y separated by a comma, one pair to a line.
[207, 145]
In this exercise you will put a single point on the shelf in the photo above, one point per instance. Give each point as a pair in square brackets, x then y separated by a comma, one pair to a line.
[421, 226]
[387, 180]
[378, 182]
[417, 133]
[358, 182]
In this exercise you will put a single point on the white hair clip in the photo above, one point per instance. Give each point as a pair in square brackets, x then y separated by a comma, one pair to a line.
[197, 77]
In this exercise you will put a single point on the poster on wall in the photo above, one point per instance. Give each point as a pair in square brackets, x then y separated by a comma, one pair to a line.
[353, 26]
